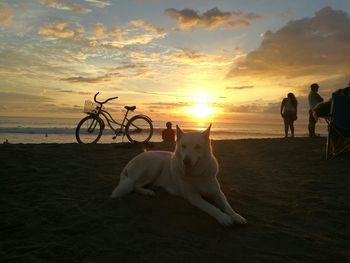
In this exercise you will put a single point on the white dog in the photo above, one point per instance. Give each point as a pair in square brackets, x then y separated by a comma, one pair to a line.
[189, 172]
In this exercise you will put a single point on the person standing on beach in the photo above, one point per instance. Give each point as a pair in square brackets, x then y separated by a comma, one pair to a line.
[289, 110]
[314, 99]
[168, 135]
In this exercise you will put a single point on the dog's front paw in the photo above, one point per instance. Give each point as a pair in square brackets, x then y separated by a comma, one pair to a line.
[145, 191]
[225, 220]
[238, 219]
[149, 192]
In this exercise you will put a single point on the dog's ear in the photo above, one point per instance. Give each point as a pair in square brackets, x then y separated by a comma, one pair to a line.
[179, 132]
[206, 133]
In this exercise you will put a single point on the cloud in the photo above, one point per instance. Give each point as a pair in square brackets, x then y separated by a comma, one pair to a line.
[99, 30]
[189, 18]
[99, 3]
[130, 70]
[75, 92]
[66, 5]
[161, 94]
[255, 107]
[168, 105]
[249, 108]
[313, 47]
[240, 87]
[187, 54]
[60, 29]
[192, 57]
[55, 108]
[135, 32]
[21, 98]
[147, 26]
[6, 15]
[98, 79]
[28, 62]
[23, 103]
[126, 71]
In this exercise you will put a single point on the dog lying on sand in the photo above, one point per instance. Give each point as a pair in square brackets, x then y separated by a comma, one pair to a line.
[189, 172]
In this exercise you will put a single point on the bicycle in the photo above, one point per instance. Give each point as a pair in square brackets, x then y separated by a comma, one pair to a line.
[138, 128]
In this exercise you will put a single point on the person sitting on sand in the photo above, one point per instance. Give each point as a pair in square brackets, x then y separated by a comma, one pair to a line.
[168, 134]
[323, 109]
[289, 111]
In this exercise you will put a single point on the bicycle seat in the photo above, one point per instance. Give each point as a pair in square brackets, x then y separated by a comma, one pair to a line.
[130, 107]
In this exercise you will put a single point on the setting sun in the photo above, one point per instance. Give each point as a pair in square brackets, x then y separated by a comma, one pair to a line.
[201, 106]
[201, 110]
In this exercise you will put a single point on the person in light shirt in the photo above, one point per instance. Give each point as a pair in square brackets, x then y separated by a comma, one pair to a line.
[314, 99]
[289, 111]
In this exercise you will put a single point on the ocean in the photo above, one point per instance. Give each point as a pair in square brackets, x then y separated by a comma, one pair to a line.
[60, 130]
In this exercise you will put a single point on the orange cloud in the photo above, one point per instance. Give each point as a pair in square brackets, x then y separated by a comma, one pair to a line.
[66, 5]
[126, 71]
[130, 70]
[147, 26]
[99, 79]
[188, 55]
[192, 57]
[99, 30]
[60, 29]
[135, 32]
[99, 3]
[6, 15]
[189, 18]
[307, 47]
[240, 87]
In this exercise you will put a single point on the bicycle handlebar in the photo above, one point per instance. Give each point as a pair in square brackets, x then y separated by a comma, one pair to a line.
[113, 98]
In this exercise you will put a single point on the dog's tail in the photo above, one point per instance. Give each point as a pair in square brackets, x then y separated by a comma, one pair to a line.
[125, 186]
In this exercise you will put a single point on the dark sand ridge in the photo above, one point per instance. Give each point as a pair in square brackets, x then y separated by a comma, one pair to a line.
[55, 206]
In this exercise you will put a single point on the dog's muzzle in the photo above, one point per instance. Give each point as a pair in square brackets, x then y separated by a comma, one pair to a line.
[187, 162]
[189, 166]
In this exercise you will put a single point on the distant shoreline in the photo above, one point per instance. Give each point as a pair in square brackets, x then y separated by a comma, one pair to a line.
[159, 143]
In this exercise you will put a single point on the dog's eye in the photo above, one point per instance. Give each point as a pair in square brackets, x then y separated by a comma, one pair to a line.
[183, 146]
[197, 146]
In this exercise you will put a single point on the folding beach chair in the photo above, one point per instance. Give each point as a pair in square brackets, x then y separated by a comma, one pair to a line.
[338, 139]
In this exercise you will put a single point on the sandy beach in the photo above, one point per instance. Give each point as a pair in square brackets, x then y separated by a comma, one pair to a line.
[55, 206]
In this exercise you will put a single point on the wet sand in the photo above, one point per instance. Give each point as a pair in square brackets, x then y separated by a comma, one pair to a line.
[55, 206]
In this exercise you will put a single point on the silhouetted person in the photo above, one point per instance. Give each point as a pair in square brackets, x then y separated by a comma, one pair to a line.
[289, 110]
[168, 135]
[314, 99]
[323, 109]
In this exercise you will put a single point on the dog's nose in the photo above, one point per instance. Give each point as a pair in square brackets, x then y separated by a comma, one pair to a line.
[187, 161]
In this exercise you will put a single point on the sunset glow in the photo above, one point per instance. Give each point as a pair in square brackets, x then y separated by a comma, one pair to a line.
[219, 60]
[201, 111]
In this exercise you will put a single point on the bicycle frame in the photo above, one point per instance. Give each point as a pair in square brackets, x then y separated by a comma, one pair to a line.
[108, 117]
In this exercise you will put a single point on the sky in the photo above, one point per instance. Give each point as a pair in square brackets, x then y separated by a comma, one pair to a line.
[222, 60]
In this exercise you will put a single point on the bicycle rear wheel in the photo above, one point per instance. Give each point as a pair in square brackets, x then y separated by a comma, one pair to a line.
[139, 129]
[89, 130]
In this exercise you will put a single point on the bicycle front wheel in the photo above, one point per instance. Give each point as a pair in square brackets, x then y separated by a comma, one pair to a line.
[89, 130]
[139, 129]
